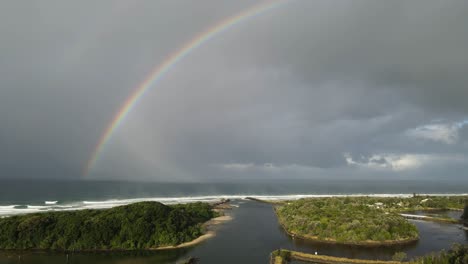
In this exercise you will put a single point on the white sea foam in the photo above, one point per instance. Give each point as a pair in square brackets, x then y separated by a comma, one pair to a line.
[16, 209]
[51, 202]
[6, 208]
[39, 207]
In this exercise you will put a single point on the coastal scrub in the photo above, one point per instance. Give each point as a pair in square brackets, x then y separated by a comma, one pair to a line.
[345, 220]
[144, 225]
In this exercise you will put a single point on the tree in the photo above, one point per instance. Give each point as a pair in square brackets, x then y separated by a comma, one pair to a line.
[136, 226]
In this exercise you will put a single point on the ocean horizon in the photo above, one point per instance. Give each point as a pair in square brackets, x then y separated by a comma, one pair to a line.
[30, 196]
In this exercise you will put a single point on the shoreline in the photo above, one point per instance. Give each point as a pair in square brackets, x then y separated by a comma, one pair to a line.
[210, 232]
[208, 227]
[325, 259]
[366, 243]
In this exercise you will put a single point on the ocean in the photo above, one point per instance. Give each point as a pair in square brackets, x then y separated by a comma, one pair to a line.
[27, 196]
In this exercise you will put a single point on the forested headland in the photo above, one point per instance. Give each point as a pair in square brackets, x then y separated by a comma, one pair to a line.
[144, 225]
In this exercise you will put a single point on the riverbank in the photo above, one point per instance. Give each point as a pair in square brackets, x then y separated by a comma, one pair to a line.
[283, 256]
[210, 231]
[209, 227]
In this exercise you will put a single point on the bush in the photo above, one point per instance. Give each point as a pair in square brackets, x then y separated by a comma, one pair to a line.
[284, 254]
[349, 220]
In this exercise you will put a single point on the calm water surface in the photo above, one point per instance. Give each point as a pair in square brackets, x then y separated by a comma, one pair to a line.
[249, 238]
[439, 213]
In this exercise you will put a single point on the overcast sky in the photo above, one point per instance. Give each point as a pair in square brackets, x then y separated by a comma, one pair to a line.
[336, 89]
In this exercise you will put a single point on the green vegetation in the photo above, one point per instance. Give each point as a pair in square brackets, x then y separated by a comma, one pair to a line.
[399, 256]
[465, 213]
[458, 254]
[284, 254]
[431, 202]
[277, 258]
[137, 226]
[348, 220]
[417, 202]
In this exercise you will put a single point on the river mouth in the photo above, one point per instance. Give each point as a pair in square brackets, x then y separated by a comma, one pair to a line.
[251, 235]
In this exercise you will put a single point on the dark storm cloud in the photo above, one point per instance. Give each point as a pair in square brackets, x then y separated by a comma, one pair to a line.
[315, 88]
[67, 67]
[416, 48]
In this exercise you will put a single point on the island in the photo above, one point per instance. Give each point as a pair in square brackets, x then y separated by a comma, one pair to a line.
[144, 225]
[367, 221]
[345, 220]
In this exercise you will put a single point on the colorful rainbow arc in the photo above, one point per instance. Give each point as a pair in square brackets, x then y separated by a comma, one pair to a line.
[159, 72]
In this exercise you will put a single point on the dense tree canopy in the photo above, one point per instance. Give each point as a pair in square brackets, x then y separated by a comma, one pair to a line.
[348, 220]
[136, 226]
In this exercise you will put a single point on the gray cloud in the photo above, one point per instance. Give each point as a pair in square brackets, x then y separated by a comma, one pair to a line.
[296, 88]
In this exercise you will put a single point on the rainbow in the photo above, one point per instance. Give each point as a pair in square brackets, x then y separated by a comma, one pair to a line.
[160, 71]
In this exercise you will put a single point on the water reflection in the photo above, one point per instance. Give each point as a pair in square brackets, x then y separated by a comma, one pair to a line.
[143, 257]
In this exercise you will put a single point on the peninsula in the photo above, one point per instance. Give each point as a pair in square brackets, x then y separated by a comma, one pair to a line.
[145, 225]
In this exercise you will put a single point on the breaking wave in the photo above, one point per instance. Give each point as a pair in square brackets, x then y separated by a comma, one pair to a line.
[15, 209]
